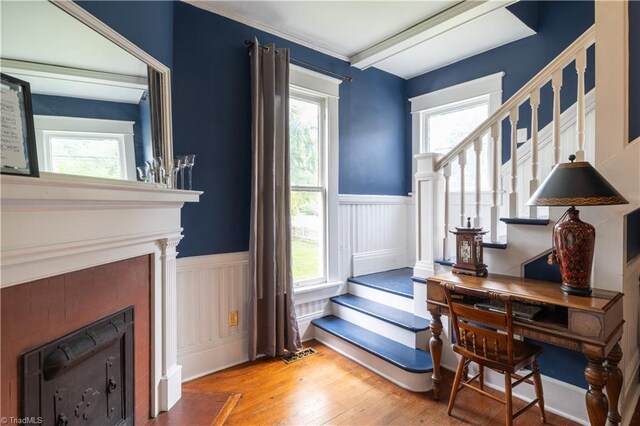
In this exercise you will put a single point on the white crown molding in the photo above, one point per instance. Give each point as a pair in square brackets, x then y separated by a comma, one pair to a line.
[218, 10]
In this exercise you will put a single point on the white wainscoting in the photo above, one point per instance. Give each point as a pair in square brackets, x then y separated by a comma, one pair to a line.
[209, 287]
[376, 233]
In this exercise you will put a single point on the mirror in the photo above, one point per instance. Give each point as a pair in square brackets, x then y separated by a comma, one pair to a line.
[98, 109]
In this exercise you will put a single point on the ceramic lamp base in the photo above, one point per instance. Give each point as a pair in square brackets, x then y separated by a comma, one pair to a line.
[575, 242]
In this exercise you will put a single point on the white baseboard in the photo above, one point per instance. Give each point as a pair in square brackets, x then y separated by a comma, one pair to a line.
[377, 261]
[199, 362]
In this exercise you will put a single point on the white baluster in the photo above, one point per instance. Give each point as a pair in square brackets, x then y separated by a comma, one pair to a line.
[513, 196]
[462, 161]
[477, 147]
[534, 100]
[581, 66]
[556, 83]
[446, 172]
[495, 180]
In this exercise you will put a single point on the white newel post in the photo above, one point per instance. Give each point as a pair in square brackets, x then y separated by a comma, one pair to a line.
[171, 380]
[428, 192]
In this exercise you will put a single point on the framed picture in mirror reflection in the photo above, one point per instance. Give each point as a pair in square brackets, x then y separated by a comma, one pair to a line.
[17, 137]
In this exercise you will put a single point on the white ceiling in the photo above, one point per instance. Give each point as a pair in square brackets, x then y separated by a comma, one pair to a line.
[484, 33]
[38, 31]
[405, 38]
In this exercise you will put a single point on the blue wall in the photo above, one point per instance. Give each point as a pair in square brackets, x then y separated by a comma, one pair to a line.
[212, 118]
[558, 25]
[88, 108]
[634, 70]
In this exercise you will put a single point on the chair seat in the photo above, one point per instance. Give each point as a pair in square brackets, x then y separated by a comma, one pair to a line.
[523, 354]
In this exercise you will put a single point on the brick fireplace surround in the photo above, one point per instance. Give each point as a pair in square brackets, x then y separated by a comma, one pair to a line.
[38, 312]
[75, 251]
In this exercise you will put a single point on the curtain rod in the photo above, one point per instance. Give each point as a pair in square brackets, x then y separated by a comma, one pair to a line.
[249, 43]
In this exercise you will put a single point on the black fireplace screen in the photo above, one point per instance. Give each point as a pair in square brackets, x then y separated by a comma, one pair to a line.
[83, 378]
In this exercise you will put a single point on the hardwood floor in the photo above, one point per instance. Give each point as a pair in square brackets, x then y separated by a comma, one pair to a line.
[328, 388]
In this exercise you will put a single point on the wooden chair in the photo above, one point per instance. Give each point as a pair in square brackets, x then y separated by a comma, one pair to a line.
[491, 348]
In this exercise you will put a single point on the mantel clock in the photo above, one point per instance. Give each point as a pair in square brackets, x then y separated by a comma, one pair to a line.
[469, 257]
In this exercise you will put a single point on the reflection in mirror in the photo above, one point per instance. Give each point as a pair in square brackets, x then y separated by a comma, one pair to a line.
[91, 100]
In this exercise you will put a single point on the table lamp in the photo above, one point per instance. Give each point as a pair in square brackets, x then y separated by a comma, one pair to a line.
[574, 184]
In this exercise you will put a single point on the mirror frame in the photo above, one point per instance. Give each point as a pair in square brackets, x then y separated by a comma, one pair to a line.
[160, 78]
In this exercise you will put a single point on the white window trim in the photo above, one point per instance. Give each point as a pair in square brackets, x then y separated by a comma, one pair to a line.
[490, 85]
[303, 81]
[92, 126]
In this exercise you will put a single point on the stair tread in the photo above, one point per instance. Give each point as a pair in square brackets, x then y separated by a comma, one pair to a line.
[404, 357]
[524, 221]
[383, 312]
[396, 281]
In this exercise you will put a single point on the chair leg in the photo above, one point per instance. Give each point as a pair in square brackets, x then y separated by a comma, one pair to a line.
[508, 399]
[481, 378]
[456, 383]
[537, 382]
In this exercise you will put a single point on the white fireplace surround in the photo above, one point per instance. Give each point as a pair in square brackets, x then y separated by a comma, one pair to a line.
[58, 224]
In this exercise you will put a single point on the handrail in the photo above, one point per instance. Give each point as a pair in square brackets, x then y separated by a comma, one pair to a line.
[539, 80]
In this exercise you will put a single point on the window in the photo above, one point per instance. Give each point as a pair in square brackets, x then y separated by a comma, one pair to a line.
[442, 118]
[445, 126]
[308, 188]
[313, 151]
[86, 154]
[86, 146]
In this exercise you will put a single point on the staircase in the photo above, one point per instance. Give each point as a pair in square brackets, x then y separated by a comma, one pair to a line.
[517, 233]
[374, 325]
[378, 323]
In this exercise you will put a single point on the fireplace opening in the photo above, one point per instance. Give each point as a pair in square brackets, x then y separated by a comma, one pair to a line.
[83, 378]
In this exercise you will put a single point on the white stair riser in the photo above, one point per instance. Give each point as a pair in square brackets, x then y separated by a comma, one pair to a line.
[389, 299]
[383, 328]
[416, 382]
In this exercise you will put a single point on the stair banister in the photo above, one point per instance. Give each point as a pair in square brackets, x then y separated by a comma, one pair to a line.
[539, 80]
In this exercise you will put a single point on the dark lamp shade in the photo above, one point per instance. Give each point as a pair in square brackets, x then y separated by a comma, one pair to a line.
[575, 184]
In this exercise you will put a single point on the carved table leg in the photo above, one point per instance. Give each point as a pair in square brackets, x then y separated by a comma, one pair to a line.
[435, 348]
[614, 384]
[597, 404]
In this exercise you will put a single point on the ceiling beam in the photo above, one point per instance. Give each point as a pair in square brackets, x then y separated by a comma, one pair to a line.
[444, 21]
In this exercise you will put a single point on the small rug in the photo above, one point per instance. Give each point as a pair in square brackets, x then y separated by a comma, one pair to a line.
[298, 355]
[199, 408]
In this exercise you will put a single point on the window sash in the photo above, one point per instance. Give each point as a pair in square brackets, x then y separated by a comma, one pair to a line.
[322, 188]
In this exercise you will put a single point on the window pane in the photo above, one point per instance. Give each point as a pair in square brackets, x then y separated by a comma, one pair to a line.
[304, 131]
[99, 157]
[448, 129]
[307, 235]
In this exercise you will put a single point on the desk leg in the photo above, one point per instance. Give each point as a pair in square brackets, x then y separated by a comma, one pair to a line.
[597, 404]
[435, 349]
[614, 384]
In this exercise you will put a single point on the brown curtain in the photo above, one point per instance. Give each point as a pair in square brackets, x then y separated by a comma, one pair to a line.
[273, 328]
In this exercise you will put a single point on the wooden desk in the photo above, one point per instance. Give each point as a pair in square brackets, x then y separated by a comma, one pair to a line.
[591, 325]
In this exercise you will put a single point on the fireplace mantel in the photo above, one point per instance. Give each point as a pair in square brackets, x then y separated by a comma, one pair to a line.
[58, 224]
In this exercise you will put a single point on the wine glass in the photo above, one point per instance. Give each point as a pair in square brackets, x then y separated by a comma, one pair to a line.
[181, 166]
[175, 167]
[189, 161]
[143, 173]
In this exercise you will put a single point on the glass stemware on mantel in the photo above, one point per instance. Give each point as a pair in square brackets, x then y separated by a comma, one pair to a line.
[175, 167]
[190, 160]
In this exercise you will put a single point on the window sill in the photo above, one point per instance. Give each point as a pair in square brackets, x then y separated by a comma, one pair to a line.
[311, 293]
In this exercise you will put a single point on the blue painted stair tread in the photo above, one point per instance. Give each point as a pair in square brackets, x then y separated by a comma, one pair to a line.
[396, 281]
[386, 313]
[404, 357]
